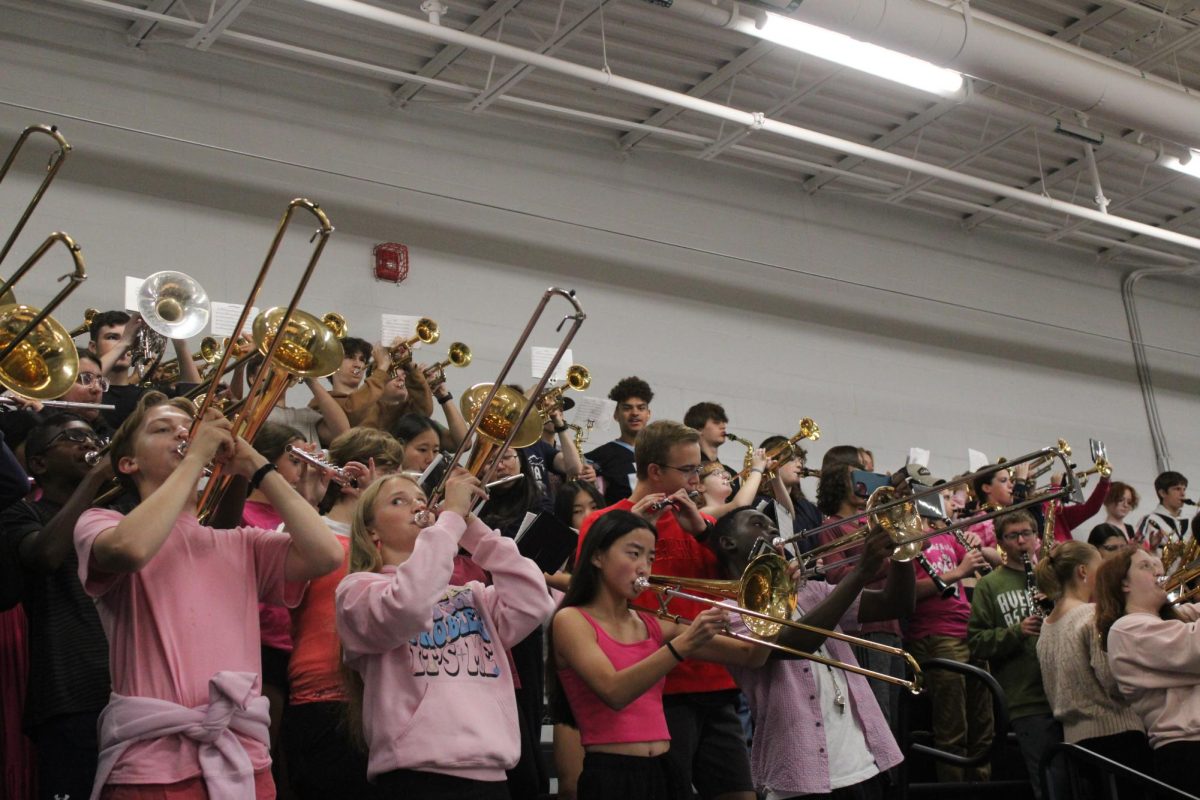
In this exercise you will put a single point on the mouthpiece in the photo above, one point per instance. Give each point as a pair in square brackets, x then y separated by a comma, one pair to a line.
[92, 457]
[641, 584]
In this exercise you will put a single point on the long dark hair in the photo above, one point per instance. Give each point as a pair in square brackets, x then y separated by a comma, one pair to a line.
[1109, 596]
[834, 488]
[564, 499]
[585, 583]
[505, 509]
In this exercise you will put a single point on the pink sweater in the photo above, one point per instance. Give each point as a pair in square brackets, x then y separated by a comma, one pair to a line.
[1157, 666]
[438, 691]
[234, 704]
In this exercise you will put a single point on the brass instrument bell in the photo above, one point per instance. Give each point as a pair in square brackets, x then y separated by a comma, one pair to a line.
[578, 378]
[425, 331]
[308, 349]
[337, 323]
[89, 314]
[44, 364]
[459, 355]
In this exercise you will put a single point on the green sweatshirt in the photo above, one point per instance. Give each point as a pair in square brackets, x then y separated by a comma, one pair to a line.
[994, 634]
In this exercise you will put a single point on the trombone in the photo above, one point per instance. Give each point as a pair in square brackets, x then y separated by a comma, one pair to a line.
[277, 324]
[503, 417]
[766, 600]
[38, 358]
[898, 514]
[52, 167]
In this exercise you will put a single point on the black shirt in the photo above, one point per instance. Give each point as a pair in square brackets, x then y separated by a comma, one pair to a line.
[68, 652]
[614, 462]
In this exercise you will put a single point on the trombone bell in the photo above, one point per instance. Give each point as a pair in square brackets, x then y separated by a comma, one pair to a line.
[44, 364]
[504, 410]
[308, 349]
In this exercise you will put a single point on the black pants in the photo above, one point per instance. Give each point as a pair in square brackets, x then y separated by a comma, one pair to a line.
[67, 750]
[409, 784]
[1129, 748]
[323, 761]
[1176, 764]
[530, 778]
[608, 776]
[870, 789]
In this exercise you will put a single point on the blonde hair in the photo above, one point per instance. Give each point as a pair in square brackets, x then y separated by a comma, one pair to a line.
[124, 439]
[364, 555]
[1056, 571]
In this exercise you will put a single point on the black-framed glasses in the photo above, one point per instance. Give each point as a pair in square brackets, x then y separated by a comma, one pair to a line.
[88, 378]
[1013, 536]
[76, 436]
[689, 470]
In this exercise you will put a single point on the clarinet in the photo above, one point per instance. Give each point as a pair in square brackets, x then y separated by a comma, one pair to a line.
[962, 539]
[1035, 605]
[944, 589]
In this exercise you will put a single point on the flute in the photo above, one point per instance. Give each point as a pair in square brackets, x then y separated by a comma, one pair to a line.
[669, 501]
[338, 475]
[68, 405]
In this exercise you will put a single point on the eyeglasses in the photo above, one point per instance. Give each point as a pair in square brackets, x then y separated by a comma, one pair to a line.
[1013, 536]
[508, 457]
[76, 436]
[689, 470]
[88, 378]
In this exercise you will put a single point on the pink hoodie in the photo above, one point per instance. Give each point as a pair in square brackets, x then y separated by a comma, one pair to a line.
[1157, 666]
[438, 691]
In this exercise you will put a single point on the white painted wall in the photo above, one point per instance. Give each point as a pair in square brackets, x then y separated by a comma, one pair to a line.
[891, 329]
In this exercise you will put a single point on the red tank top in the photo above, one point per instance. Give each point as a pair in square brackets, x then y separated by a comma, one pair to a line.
[642, 720]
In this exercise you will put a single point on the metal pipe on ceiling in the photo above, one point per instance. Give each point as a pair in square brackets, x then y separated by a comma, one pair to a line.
[756, 121]
[977, 44]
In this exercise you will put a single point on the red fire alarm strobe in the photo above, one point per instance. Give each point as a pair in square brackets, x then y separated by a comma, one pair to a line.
[391, 262]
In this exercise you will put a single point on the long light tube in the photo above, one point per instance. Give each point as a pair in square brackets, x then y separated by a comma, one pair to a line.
[1189, 167]
[852, 53]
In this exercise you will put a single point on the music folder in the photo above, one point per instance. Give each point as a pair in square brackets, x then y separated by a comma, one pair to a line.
[547, 541]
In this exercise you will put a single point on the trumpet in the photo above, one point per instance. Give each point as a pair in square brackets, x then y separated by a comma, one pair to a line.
[459, 355]
[336, 323]
[766, 597]
[337, 474]
[401, 354]
[551, 400]
[89, 314]
[787, 450]
[1182, 585]
[500, 416]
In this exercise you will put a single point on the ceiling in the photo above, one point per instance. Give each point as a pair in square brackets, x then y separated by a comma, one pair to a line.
[996, 137]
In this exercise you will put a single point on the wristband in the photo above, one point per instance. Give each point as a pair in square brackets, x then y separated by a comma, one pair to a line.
[758, 470]
[257, 478]
[557, 429]
[674, 652]
[446, 399]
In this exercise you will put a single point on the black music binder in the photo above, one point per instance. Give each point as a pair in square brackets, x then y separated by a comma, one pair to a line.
[547, 541]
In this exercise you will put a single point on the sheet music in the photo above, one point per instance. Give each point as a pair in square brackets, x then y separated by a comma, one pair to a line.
[397, 326]
[918, 456]
[540, 358]
[132, 287]
[525, 523]
[600, 411]
[976, 460]
[225, 315]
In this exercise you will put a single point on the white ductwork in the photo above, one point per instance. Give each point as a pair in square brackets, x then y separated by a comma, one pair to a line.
[756, 121]
[993, 50]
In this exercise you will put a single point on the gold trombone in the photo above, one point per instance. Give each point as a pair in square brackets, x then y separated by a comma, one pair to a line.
[38, 358]
[401, 353]
[285, 337]
[897, 512]
[503, 417]
[459, 355]
[766, 600]
[785, 451]
[52, 167]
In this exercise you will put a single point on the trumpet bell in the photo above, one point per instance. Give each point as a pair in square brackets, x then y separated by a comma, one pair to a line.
[578, 377]
[809, 429]
[459, 354]
[427, 330]
[173, 304]
[337, 323]
[44, 365]
[504, 410]
[309, 348]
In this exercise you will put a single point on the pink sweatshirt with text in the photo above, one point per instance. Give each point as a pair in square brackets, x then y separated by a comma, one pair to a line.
[438, 690]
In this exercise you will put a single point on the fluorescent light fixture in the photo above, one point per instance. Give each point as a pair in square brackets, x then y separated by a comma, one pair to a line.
[1189, 167]
[852, 53]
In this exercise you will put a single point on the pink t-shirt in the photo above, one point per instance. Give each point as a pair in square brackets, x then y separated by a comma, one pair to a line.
[935, 616]
[274, 622]
[189, 613]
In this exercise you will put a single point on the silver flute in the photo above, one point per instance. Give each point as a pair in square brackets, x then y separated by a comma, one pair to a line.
[67, 405]
[670, 501]
[339, 475]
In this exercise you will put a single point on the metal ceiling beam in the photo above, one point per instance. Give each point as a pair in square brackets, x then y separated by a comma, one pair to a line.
[716, 148]
[140, 28]
[547, 48]
[449, 53]
[1055, 176]
[1127, 201]
[1164, 51]
[221, 19]
[962, 160]
[1173, 224]
[727, 71]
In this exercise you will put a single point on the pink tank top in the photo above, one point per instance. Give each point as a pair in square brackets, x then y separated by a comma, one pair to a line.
[640, 721]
